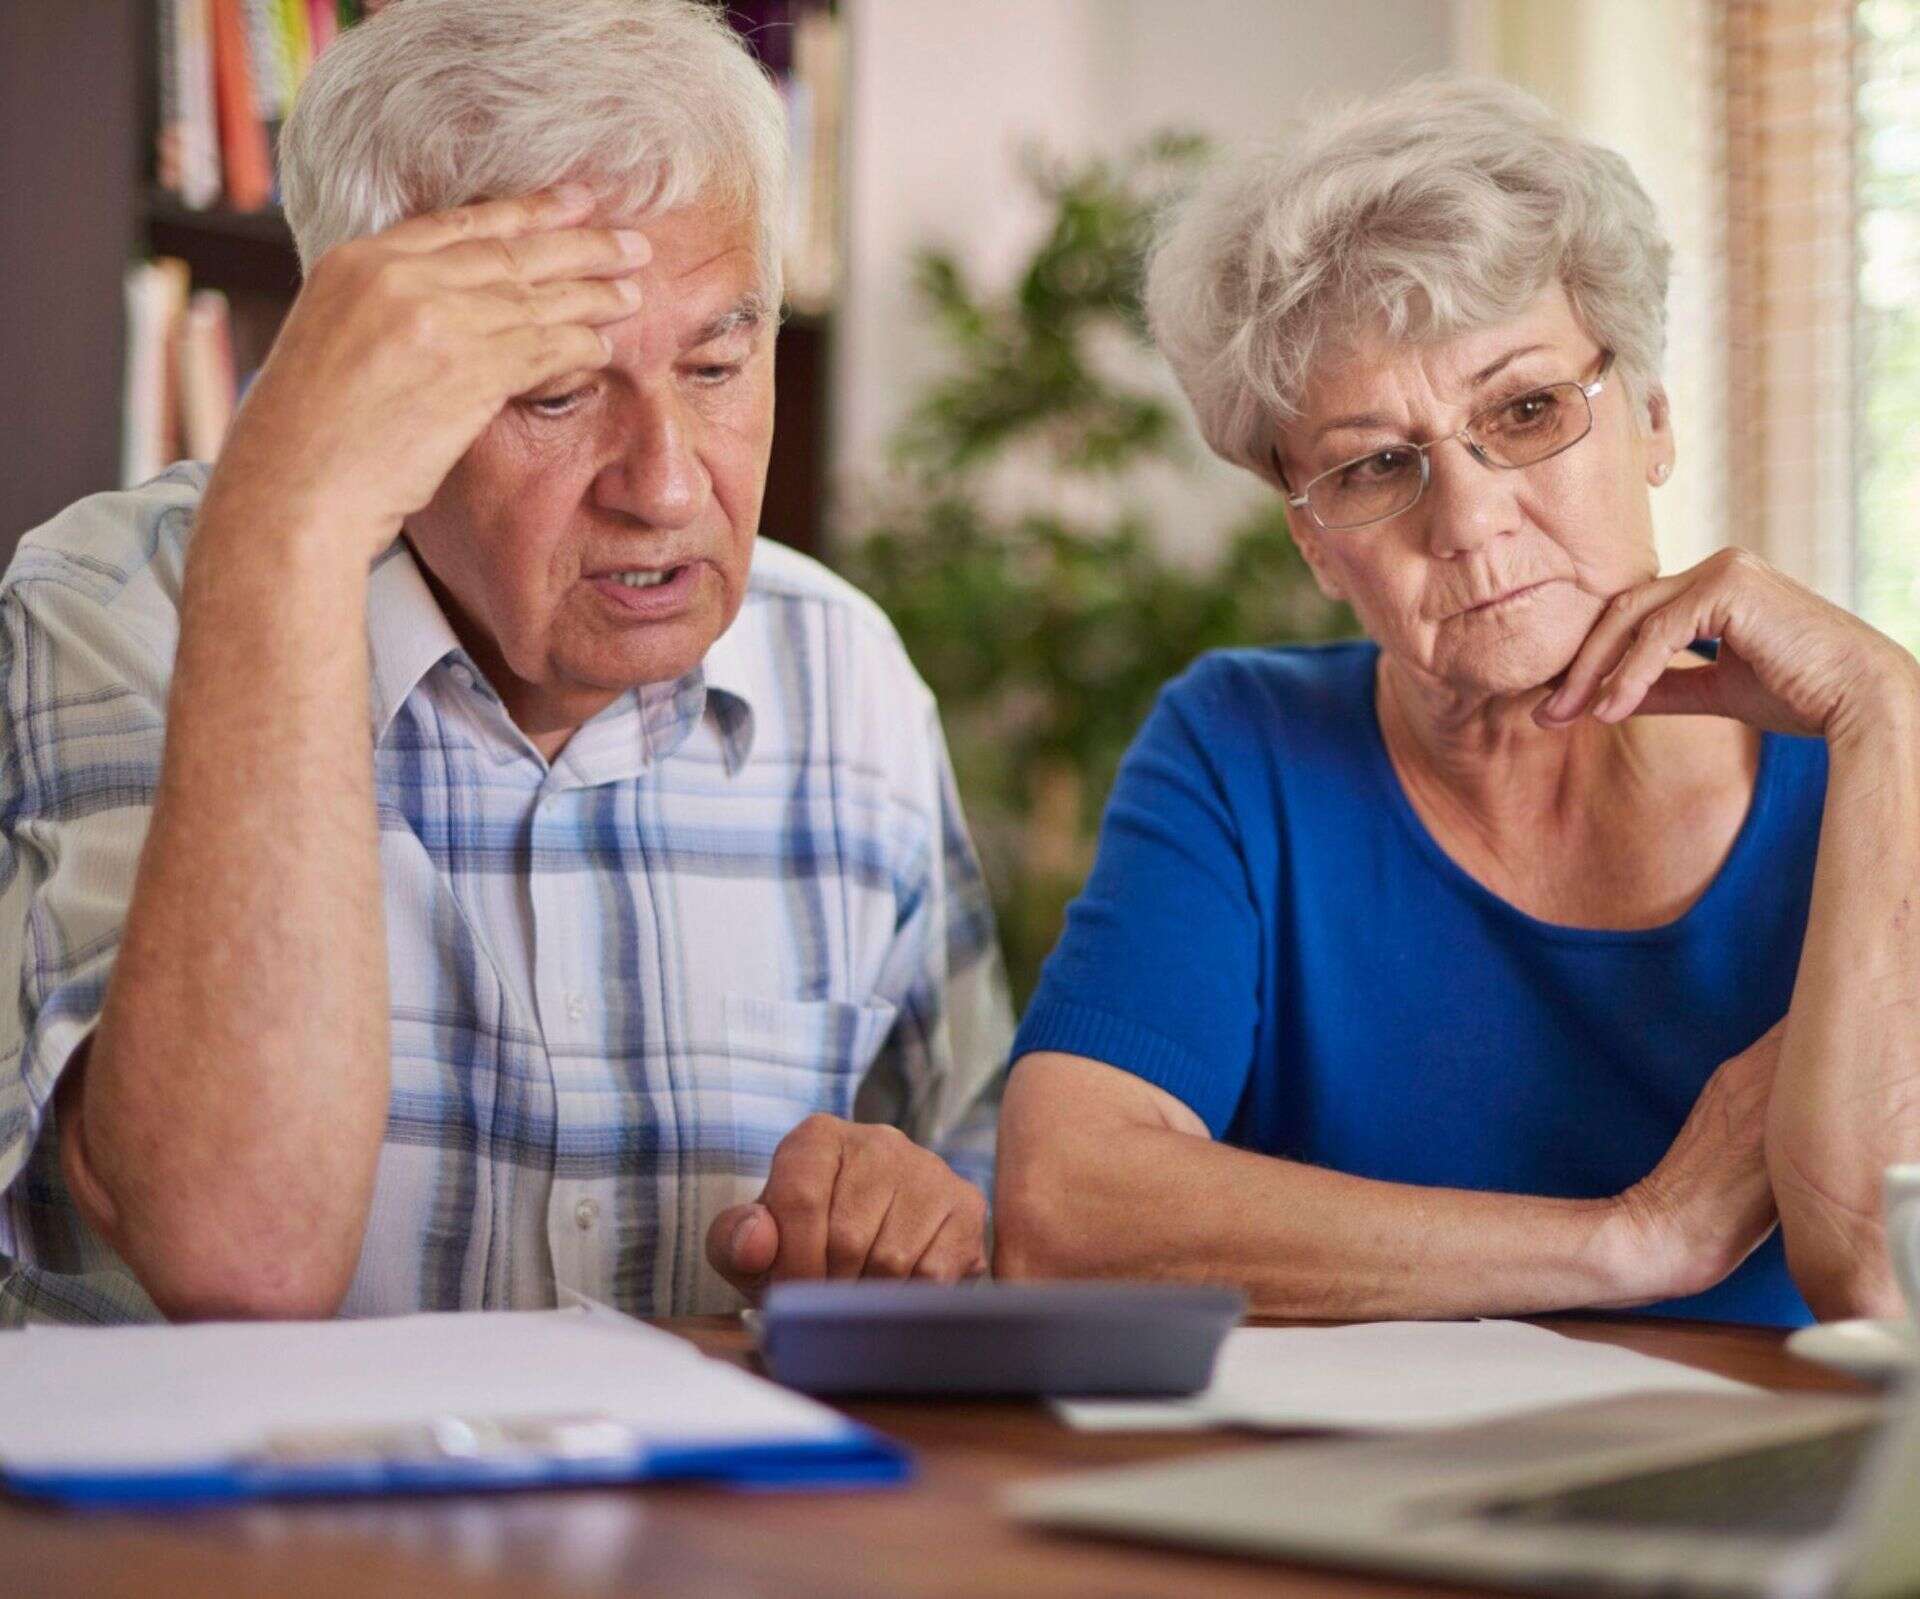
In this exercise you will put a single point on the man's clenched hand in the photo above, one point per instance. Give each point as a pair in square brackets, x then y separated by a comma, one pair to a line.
[845, 1199]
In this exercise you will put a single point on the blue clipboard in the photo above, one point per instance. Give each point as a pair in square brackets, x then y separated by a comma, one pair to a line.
[859, 1459]
[465, 1426]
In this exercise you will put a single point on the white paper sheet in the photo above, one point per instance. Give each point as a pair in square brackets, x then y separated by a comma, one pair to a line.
[1392, 1376]
[117, 1397]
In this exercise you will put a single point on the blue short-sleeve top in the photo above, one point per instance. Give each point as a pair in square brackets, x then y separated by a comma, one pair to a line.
[1271, 935]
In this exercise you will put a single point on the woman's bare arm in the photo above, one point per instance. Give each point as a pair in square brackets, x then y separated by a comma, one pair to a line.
[1847, 1100]
[1101, 1173]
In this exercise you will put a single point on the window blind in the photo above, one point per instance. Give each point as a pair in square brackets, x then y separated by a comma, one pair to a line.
[1786, 72]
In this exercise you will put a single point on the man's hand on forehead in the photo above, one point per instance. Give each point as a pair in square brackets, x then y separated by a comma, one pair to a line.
[403, 346]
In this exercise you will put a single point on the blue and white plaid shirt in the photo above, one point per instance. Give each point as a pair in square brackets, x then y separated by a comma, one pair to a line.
[617, 981]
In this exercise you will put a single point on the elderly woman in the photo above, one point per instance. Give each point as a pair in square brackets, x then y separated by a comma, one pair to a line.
[1535, 952]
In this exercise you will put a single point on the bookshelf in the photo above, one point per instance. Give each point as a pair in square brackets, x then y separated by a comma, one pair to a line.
[86, 203]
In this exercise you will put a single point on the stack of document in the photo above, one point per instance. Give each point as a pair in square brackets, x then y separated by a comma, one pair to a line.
[119, 1415]
[1391, 1376]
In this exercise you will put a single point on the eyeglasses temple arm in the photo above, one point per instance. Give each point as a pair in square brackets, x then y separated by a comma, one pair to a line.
[1286, 489]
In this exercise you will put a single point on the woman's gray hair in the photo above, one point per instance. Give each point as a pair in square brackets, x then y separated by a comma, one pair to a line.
[1448, 205]
[435, 103]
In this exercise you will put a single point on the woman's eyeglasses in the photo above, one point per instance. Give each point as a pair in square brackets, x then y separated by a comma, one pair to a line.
[1516, 432]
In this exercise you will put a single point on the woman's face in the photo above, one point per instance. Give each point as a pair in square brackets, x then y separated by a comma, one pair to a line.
[1490, 582]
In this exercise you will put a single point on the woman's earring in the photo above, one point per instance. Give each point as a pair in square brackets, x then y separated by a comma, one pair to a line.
[1659, 471]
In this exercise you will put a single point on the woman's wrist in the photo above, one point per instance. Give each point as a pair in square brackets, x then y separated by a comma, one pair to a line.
[1881, 713]
[1650, 1249]
[1630, 1253]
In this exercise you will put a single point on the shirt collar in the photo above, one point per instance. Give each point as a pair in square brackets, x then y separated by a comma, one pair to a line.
[734, 683]
[408, 635]
[407, 632]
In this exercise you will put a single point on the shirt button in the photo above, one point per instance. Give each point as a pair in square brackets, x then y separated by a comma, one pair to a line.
[461, 676]
[585, 1214]
[576, 1007]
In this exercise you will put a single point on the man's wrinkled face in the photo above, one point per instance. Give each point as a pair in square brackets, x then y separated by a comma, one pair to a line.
[1492, 580]
[597, 535]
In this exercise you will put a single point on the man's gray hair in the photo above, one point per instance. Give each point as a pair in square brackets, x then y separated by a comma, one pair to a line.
[435, 103]
[1448, 205]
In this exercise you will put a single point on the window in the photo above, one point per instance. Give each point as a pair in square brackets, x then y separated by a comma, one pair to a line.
[1820, 122]
[1887, 326]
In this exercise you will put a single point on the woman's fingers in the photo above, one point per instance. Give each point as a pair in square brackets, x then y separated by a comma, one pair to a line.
[1685, 691]
[1661, 635]
[1612, 636]
[1789, 661]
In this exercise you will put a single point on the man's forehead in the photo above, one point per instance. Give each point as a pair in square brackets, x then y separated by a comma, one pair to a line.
[704, 275]
[689, 240]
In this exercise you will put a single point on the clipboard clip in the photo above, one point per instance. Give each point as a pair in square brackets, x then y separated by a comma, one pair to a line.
[439, 1440]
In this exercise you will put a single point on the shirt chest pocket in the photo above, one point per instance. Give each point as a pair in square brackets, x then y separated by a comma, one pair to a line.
[790, 1059]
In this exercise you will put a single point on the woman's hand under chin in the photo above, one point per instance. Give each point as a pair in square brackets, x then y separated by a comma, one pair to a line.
[1788, 662]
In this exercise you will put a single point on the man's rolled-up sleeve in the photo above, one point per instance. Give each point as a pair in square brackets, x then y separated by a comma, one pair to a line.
[83, 666]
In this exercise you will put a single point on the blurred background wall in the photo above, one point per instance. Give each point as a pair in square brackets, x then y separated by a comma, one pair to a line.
[945, 96]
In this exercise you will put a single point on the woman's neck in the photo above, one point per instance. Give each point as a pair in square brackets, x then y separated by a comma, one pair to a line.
[1588, 825]
[1484, 755]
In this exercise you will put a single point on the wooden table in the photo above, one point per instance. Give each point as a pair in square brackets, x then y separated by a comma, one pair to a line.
[942, 1535]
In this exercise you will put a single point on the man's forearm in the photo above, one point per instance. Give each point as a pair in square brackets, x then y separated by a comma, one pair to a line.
[233, 1100]
[1846, 1100]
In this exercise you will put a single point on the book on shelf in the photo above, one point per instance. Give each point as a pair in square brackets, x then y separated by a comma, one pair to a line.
[156, 300]
[800, 43]
[204, 368]
[814, 93]
[229, 70]
[245, 156]
[189, 142]
[181, 385]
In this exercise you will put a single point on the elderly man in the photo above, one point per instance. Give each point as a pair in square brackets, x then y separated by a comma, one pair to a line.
[448, 864]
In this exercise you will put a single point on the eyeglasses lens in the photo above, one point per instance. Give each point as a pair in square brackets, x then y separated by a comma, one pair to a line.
[1521, 431]
[1370, 489]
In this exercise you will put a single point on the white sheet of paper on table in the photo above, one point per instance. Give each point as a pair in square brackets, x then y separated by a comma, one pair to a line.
[106, 1398]
[1391, 1376]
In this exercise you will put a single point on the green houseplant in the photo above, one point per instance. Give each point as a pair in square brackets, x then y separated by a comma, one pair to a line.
[1046, 634]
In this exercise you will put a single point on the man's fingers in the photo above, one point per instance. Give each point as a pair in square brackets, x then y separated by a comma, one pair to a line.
[532, 355]
[542, 257]
[912, 1224]
[742, 1243]
[862, 1201]
[799, 1192]
[492, 219]
[590, 302]
[959, 1248]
